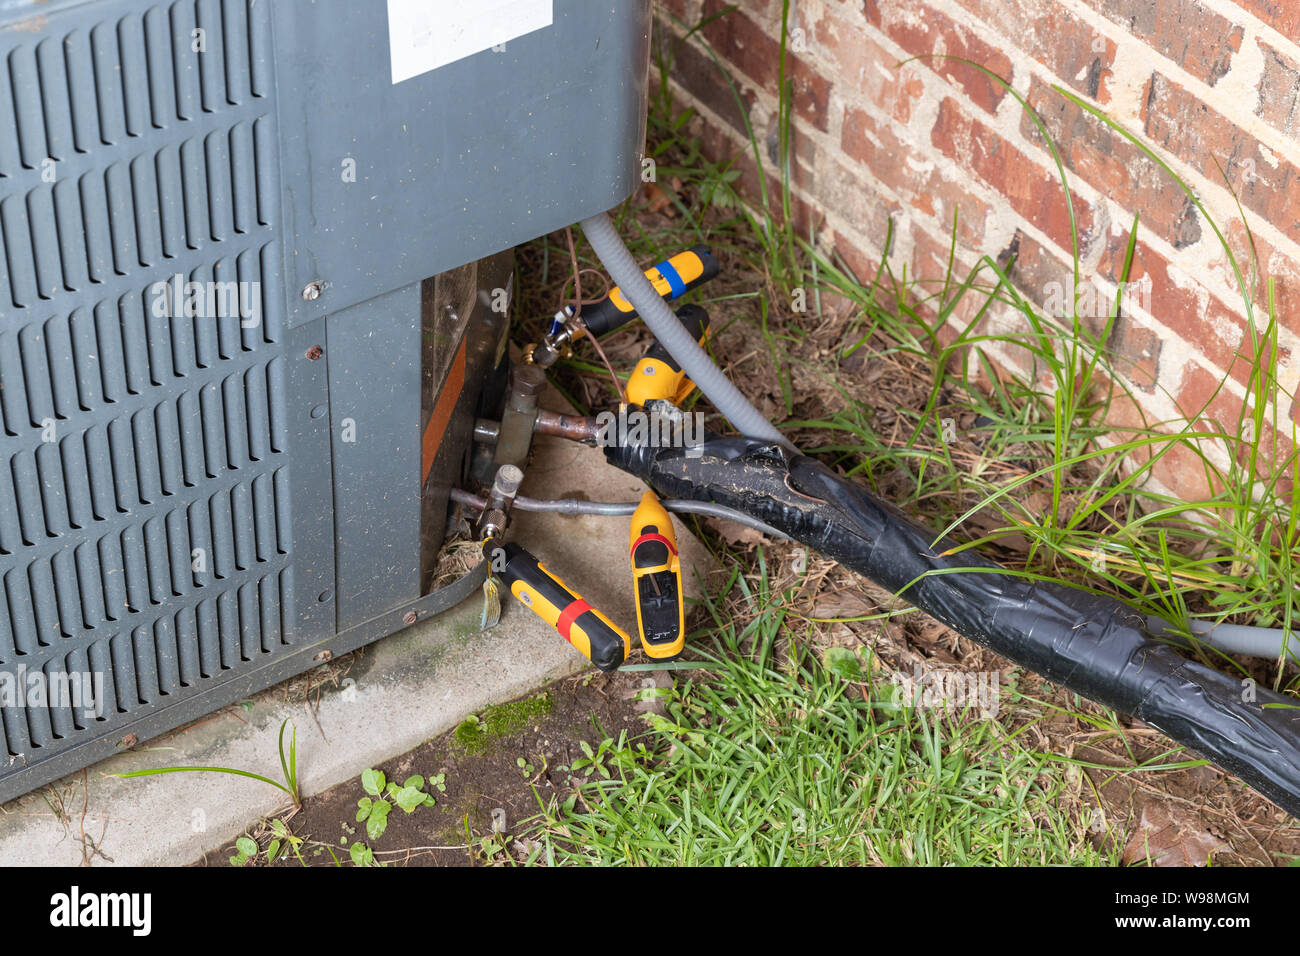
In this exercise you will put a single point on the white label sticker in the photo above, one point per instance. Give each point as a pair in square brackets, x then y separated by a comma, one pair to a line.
[426, 34]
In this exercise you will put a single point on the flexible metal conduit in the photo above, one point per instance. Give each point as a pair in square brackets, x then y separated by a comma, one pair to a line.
[659, 318]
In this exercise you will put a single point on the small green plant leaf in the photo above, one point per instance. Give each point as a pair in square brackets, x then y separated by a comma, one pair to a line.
[415, 781]
[363, 808]
[246, 847]
[408, 798]
[377, 822]
[373, 781]
[842, 662]
[361, 854]
[273, 851]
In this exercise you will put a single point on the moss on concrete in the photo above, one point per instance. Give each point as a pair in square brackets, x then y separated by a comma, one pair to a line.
[479, 732]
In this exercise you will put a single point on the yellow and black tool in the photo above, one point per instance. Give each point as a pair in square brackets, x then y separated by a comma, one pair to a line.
[657, 573]
[657, 375]
[599, 639]
[672, 279]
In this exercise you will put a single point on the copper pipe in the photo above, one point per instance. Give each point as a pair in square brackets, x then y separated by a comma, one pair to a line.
[572, 427]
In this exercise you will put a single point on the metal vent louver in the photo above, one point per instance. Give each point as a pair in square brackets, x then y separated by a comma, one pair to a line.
[197, 506]
[144, 492]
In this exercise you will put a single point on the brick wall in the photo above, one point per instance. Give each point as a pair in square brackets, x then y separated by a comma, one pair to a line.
[1205, 82]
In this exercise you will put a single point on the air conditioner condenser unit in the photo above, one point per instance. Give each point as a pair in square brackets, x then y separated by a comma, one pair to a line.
[255, 277]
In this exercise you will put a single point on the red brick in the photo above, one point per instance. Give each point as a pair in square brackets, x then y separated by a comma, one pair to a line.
[862, 63]
[1068, 46]
[1126, 415]
[1032, 191]
[1272, 264]
[1034, 267]
[914, 176]
[1093, 151]
[1266, 182]
[860, 203]
[1204, 398]
[1279, 91]
[1282, 15]
[719, 147]
[1182, 471]
[1198, 392]
[927, 270]
[881, 166]
[1188, 309]
[1135, 352]
[739, 40]
[930, 256]
[1046, 278]
[1179, 469]
[922, 30]
[863, 265]
[700, 76]
[1186, 31]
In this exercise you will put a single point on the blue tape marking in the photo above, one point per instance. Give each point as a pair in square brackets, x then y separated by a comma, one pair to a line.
[675, 282]
[558, 323]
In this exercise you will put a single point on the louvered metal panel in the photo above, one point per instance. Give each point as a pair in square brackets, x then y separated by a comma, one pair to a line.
[146, 543]
[176, 481]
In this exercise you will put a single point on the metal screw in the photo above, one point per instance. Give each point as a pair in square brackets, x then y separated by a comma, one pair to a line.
[312, 290]
[315, 352]
[410, 618]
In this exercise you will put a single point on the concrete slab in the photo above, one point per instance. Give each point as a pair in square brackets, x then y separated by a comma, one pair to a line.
[405, 690]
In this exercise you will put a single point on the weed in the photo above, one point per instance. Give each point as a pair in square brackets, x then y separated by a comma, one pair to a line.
[288, 766]
[384, 794]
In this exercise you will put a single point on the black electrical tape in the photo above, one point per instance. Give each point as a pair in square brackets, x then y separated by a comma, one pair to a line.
[1091, 644]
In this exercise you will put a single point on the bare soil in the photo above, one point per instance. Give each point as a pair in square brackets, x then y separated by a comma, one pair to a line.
[483, 780]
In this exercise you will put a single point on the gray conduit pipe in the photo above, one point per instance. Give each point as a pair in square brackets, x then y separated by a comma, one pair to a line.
[1234, 638]
[659, 318]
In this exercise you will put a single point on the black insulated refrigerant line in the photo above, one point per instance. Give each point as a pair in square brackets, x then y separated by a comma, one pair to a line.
[1090, 644]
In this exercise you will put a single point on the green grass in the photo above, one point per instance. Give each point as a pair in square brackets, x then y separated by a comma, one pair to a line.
[773, 758]
[1039, 470]
[1227, 556]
